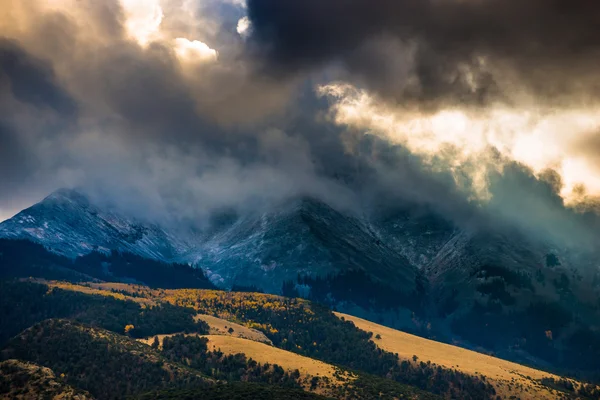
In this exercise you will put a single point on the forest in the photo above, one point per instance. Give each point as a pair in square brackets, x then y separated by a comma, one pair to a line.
[23, 304]
[22, 259]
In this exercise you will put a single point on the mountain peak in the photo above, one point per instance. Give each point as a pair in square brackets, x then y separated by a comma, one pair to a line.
[67, 195]
[70, 224]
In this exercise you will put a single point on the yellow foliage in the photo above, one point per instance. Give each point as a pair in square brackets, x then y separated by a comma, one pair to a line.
[128, 328]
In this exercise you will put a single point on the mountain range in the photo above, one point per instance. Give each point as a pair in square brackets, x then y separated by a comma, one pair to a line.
[494, 289]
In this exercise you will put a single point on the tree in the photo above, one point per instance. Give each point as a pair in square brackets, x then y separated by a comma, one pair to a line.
[129, 328]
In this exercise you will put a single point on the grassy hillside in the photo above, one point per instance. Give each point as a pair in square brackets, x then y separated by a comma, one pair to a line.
[327, 376]
[219, 326]
[313, 331]
[509, 379]
[234, 359]
[312, 348]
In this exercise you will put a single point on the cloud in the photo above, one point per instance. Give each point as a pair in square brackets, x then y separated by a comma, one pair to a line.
[480, 92]
[243, 26]
[194, 51]
[468, 52]
[30, 80]
[143, 19]
[539, 138]
[131, 101]
[172, 109]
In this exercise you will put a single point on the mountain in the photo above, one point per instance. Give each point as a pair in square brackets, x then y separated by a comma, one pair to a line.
[493, 288]
[68, 223]
[519, 297]
[303, 237]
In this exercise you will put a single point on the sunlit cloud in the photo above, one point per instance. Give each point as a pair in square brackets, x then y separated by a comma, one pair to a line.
[143, 19]
[194, 50]
[536, 137]
[243, 27]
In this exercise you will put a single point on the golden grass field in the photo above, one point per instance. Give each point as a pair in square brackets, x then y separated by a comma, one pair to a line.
[264, 353]
[260, 352]
[220, 326]
[509, 379]
[289, 361]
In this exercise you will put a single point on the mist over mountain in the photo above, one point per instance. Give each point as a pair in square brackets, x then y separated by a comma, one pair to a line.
[197, 119]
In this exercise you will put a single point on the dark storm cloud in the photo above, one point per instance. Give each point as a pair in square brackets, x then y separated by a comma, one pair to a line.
[136, 126]
[14, 162]
[33, 106]
[466, 51]
[31, 80]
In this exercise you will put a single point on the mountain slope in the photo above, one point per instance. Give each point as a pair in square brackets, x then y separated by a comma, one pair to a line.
[521, 298]
[102, 362]
[509, 379]
[492, 287]
[304, 237]
[69, 224]
[300, 237]
[27, 381]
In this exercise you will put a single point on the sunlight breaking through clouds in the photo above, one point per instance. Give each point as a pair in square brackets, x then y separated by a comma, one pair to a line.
[143, 24]
[143, 19]
[540, 138]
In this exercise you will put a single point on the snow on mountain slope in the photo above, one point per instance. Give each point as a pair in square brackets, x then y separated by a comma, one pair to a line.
[69, 224]
[304, 237]
[300, 237]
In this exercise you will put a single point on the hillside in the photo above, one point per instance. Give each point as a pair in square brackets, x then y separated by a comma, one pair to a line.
[234, 391]
[313, 339]
[219, 326]
[24, 304]
[328, 340]
[106, 364]
[509, 379]
[27, 381]
[308, 368]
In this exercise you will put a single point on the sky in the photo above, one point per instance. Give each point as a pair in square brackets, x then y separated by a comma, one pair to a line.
[172, 109]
